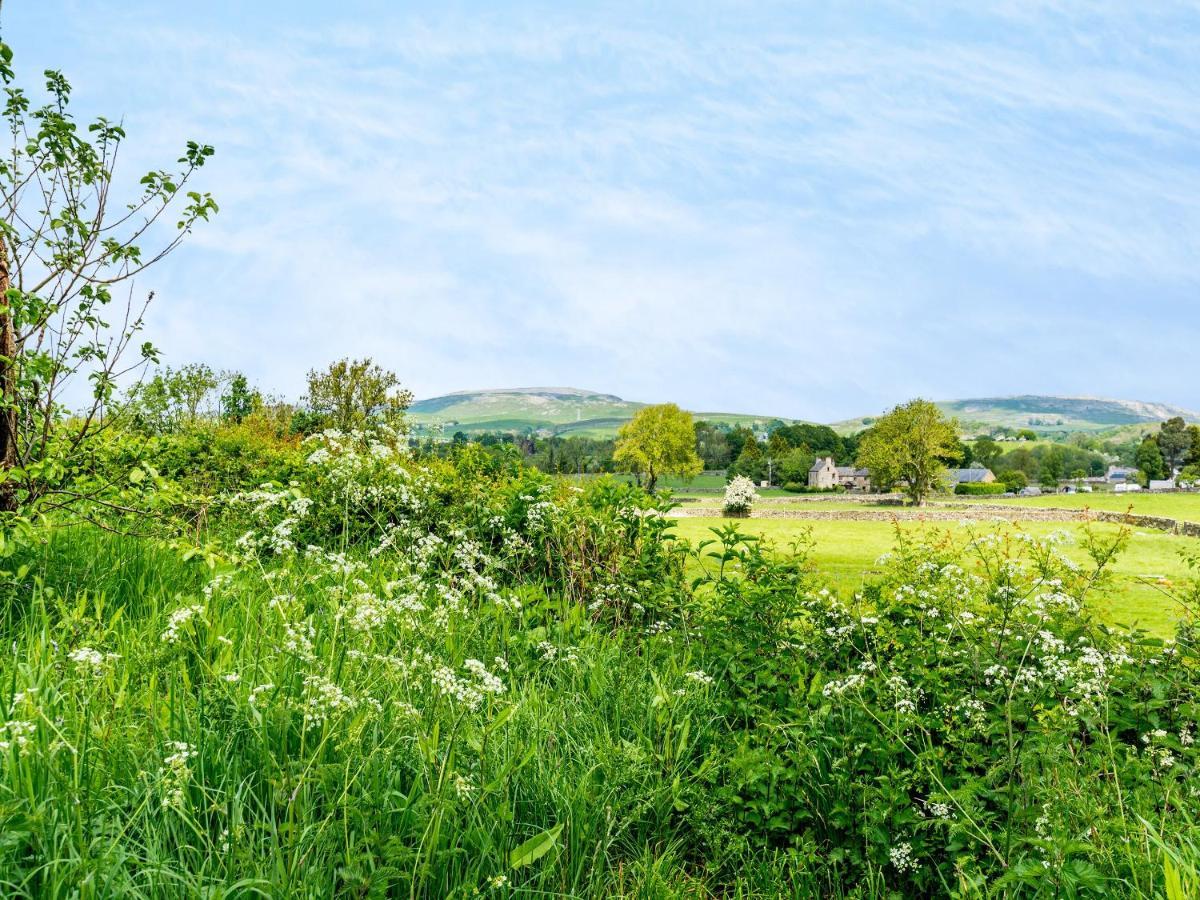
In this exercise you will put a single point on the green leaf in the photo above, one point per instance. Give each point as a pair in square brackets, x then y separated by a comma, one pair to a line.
[136, 476]
[535, 848]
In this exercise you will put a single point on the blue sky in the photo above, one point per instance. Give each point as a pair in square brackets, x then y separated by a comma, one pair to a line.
[814, 210]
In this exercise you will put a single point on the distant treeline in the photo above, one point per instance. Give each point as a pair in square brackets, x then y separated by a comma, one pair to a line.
[784, 453]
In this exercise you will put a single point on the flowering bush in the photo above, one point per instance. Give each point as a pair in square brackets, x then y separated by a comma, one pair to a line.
[962, 720]
[458, 677]
[739, 495]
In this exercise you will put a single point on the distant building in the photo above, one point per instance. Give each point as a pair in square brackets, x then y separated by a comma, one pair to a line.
[1163, 484]
[973, 475]
[1120, 474]
[826, 474]
[1126, 487]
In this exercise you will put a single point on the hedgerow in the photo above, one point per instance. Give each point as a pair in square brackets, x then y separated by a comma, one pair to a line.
[388, 675]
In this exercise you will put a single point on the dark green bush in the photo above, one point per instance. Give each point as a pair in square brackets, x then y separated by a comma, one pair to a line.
[976, 489]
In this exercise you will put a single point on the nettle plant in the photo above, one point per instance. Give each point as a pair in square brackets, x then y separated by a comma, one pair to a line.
[67, 246]
[956, 724]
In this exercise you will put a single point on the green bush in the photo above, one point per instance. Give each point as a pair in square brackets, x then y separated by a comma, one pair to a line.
[799, 488]
[974, 489]
[460, 677]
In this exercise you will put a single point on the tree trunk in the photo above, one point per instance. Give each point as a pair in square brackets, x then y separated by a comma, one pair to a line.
[8, 390]
[651, 481]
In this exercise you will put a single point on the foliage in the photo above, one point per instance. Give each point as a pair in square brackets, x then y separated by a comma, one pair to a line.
[239, 401]
[976, 489]
[171, 399]
[658, 440]
[1174, 440]
[386, 673]
[794, 466]
[907, 446]
[1149, 459]
[350, 393]
[67, 245]
[957, 725]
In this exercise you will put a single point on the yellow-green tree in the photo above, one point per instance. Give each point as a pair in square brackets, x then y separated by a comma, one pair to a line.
[659, 440]
[352, 392]
[908, 446]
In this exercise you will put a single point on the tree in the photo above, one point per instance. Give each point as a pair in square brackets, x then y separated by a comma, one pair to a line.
[1193, 455]
[171, 399]
[908, 445]
[793, 467]
[987, 452]
[353, 392]
[1014, 480]
[711, 445]
[1053, 467]
[658, 440]
[1174, 442]
[66, 245]
[239, 401]
[1149, 459]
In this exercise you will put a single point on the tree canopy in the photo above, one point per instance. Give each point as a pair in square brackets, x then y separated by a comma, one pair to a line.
[907, 447]
[353, 391]
[658, 440]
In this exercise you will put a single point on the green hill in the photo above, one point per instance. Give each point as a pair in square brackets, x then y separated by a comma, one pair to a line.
[1047, 415]
[571, 411]
[558, 410]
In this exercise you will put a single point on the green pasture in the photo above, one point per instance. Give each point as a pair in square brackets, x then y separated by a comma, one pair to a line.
[1174, 506]
[846, 552]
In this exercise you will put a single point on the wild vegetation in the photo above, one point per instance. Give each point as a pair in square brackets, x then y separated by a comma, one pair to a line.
[263, 648]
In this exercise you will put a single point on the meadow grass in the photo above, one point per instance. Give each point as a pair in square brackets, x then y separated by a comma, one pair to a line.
[1183, 506]
[846, 554]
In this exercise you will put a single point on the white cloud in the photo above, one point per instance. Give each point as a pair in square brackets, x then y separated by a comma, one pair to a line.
[752, 212]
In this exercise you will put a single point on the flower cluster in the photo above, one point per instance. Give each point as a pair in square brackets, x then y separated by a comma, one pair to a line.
[739, 495]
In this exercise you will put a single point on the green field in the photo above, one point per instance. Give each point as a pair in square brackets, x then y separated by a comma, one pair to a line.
[1174, 506]
[847, 552]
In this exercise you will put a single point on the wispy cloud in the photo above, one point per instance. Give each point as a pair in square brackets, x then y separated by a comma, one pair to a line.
[809, 211]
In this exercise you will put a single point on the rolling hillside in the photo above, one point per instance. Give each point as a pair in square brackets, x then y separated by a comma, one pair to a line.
[560, 410]
[571, 411]
[1047, 415]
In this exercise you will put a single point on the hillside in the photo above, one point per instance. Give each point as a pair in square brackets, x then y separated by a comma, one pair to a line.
[572, 411]
[1047, 414]
[561, 410]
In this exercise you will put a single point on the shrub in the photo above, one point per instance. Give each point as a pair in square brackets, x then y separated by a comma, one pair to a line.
[961, 721]
[1013, 479]
[739, 496]
[798, 488]
[974, 489]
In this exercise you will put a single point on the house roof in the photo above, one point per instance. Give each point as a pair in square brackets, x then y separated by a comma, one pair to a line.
[850, 470]
[973, 474]
[820, 463]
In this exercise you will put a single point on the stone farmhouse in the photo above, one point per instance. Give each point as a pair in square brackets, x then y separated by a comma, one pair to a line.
[825, 474]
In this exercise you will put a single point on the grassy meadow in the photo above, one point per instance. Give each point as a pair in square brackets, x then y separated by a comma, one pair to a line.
[847, 552]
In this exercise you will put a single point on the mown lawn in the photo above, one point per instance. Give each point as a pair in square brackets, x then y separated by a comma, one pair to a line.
[846, 552]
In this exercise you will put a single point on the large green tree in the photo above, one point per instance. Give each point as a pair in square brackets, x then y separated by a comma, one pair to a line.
[987, 452]
[1174, 442]
[1149, 458]
[907, 447]
[658, 440]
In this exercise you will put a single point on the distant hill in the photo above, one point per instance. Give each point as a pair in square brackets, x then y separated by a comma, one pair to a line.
[558, 410]
[572, 411]
[1047, 414]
